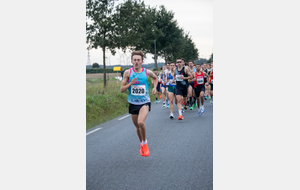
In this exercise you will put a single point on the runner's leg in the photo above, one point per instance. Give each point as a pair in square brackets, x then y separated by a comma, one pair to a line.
[141, 120]
[134, 118]
[171, 96]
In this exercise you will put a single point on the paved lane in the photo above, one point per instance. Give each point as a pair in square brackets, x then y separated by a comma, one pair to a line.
[181, 152]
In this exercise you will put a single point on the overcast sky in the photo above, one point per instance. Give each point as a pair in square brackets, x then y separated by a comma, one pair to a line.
[194, 16]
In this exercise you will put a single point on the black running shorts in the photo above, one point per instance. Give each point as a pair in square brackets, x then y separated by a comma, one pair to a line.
[181, 92]
[191, 84]
[135, 109]
[211, 86]
[198, 89]
[158, 87]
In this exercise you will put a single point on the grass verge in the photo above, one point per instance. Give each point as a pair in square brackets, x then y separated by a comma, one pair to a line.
[104, 104]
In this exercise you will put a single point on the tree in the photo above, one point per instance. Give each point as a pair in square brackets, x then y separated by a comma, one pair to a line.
[101, 31]
[201, 61]
[95, 65]
[211, 59]
[189, 51]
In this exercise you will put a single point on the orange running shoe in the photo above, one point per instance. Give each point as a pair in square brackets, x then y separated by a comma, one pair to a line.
[146, 151]
[180, 117]
[160, 96]
[142, 150]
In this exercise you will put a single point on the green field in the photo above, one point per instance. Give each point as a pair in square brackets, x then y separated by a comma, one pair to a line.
[104, 104]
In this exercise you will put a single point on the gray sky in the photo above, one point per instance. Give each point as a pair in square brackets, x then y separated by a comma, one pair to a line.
[194, 16]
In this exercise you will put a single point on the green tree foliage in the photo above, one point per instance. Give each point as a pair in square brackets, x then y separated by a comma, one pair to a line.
[188, 49]
[211, 59]
[100, 32]
[132, 25]
[95, 65]
[136, 29]
[167, 43]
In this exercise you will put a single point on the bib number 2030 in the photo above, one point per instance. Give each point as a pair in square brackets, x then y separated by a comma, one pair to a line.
[138, 90]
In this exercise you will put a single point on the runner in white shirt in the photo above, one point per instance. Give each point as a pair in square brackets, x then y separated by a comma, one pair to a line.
[167, 71]
[163, 85]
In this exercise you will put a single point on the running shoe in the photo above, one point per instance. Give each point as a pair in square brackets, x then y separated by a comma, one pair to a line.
[171, 116]
[209, 97]
[191, 108]
[199, 112]
[185, 107]
[142, 150]
[194, 105]
[211, 101]
[156, 101]
[202, 109]
[180, 117]
[205, 97]
[168, 105]
[164, 104]
[160, 96]
[145, 150]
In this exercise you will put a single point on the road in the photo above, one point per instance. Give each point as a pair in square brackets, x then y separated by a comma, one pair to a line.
[181, 152]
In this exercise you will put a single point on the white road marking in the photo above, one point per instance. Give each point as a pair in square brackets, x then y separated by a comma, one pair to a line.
[124, 117]
[93, 131]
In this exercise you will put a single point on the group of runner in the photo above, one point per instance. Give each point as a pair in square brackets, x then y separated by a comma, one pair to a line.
[189, 83]
[175, 80]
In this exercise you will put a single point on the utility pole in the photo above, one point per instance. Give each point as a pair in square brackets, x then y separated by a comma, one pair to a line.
[155, 54]
[89, 60]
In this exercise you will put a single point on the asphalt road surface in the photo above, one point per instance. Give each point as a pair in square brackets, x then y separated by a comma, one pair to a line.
[181, 152]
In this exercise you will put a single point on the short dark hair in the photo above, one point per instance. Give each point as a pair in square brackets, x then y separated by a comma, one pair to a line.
[183, 59]
[155, 69]
[137, 53]
[191, 61]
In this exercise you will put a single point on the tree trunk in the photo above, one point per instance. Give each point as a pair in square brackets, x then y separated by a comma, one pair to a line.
[104, 68]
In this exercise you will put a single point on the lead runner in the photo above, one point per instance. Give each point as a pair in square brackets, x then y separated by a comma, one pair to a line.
[135, 80]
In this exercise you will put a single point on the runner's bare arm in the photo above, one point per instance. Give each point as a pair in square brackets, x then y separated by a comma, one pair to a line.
[167, 77]
[124, 85]
[211, 73]
[153, 76]
[187, 71]
[194, 77]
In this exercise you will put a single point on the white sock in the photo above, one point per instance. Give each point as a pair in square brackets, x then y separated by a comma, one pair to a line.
[168, 101]
[180, 112]
[144, 142]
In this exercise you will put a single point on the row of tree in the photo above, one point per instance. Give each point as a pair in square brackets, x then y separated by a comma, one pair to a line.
[133, 25]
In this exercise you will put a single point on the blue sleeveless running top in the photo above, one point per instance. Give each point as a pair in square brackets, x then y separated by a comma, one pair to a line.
[139, 92]
[170, 79]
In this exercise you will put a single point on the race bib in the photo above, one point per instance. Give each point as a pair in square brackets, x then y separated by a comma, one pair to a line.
[178, 78]
[211, 81]
[200, 80]
[138, 90]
